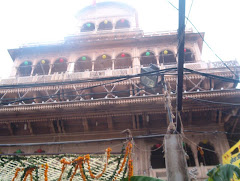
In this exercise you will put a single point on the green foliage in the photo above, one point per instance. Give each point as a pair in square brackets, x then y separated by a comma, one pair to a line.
[223, 173]
[142, 178]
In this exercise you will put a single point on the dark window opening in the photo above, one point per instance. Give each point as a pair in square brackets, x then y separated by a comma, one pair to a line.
[105, 25]
[140, 121]
[147, 58]
[189, 56]
[207, 157]
[60, 65]
[25, 69]
[42, 68]
[122, 23]
[167, 57]
[190, 160]
[83, 64]
[55, 126]
[103, 62]
[88, 27]
[157, 156]
[123, 61]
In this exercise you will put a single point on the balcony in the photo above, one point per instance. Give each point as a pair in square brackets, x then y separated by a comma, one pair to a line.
[60, 77]
[209, 67]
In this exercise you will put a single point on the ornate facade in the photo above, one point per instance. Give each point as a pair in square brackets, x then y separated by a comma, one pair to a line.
[67, 91]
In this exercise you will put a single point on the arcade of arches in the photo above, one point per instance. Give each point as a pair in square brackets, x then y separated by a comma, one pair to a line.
[103, 62]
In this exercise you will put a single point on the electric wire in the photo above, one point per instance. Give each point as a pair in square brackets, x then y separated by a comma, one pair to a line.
[205, 104]
[145, 150]
[205, 41]
[110, 78]
[189, 12]
[119, 79]
[81, 141]
[87, 80]
[226, 79]
[212, 49]
[210, 132]
[72, 95]
[55, 95]
[182, 135]
[213, 102]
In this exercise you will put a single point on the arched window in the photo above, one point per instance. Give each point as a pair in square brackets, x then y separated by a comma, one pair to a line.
[82, 64]
[88, 27]
[103, 62]
[42, 68]
[189, 56]
[105, 25]
[60, 65]
[147, 58]
[123, 61]
[25, 69]
[206, 156]
[167, 57]
[122, 23]
[190, 160]
[157, 156]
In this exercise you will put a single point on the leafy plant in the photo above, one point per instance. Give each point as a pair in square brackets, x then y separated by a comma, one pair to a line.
[223, 173]
[142, 178]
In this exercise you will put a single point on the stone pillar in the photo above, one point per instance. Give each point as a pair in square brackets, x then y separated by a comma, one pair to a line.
[113, 60]
[93, 65]
[71, 63]
[50, 69]
[196, 52]
[113, 64]
[96, 26]
[14, 71]
[156, 55]
[93, 60]
[114, 25]
[33, 67]
[136, 61]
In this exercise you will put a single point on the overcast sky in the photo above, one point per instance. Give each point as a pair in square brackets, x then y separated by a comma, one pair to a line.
[26, 21]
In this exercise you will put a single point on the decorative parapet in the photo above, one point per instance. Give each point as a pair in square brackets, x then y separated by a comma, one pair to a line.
[218, 64]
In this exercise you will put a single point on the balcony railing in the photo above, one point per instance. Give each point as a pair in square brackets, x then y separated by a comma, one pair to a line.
[199, 173]
[58, 77]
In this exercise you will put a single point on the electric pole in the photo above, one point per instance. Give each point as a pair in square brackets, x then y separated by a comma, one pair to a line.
[175, 157]
[180, 55]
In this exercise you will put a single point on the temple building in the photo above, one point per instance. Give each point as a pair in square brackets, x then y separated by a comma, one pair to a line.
[84, 88]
